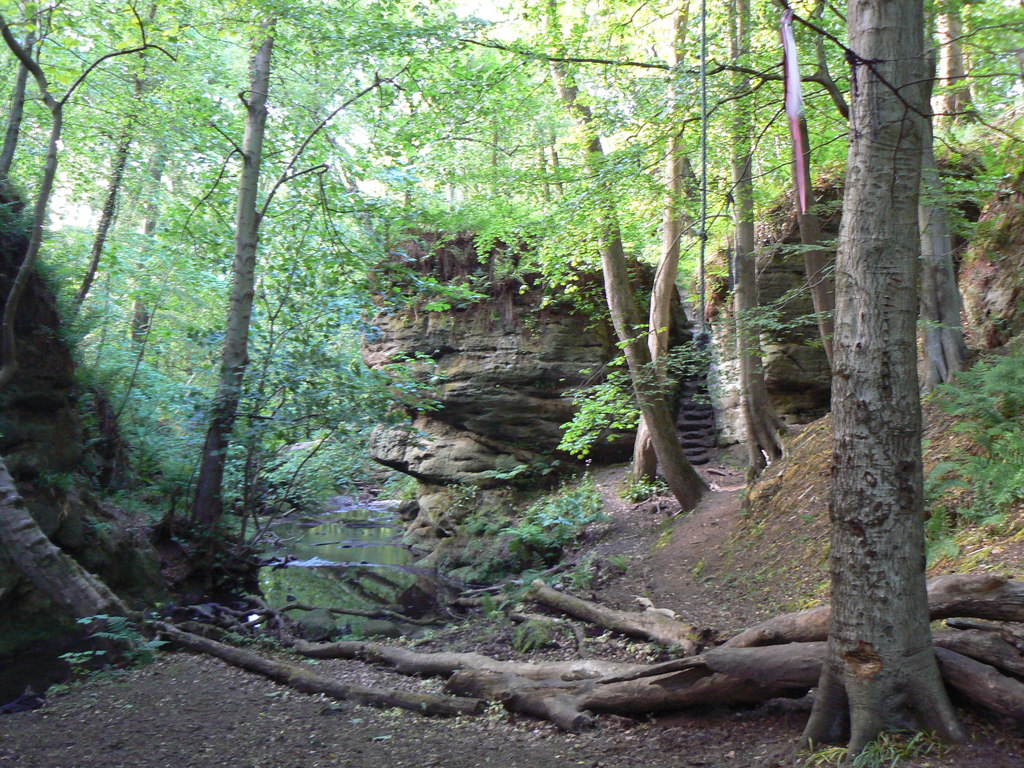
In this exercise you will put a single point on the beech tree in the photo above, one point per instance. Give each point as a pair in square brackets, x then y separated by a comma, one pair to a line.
[880, 671]
[763, 442]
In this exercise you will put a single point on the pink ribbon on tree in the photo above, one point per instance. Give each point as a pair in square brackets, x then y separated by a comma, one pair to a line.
[795, 111]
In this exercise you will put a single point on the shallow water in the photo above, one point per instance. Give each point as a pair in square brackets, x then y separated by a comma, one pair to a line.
[351, 556]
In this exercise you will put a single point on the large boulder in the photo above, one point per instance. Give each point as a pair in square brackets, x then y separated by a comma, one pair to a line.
[501, 386]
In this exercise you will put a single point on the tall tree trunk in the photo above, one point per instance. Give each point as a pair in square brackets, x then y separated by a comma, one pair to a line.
[664, 292]
[953, 102]
[142, 315]
[67, 585]
[685, 484]
[763, 443]
[119, 163]
[15, 115]
[944, 347]
[880, 671]
[208, 505]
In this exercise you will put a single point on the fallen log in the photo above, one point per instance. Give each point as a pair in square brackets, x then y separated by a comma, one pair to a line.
[980, 596]
[988, 646]
[443, 664]
[306, 681]
[711, 679]
[980, 684]
[647, 625]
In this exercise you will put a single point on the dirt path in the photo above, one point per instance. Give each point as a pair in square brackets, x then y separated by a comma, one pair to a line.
[194, 712]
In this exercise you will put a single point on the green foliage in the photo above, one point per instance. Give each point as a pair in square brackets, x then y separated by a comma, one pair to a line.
[639, 489]
[125, 645]
[988, 482]
[553, 522]
[889, 750]
[604, 408]
[532, 635]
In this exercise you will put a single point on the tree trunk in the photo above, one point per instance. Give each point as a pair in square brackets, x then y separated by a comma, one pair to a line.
[664, 292]
[880, 671]
[816, 259]
[120, 162]
[944, 347]
[763, 443]
[68, 586]
[142, 314]
[208, 504]
[682, 479]
[15, 115]
[953, 102]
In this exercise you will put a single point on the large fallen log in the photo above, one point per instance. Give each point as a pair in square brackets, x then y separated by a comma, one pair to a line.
[442, 664]
[989, 646]
[647, 625]
[981, 684]
[302, 679]
[981, 596]
[737, 677]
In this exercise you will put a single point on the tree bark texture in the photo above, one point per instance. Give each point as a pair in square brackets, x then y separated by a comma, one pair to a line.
[953, 102]
[944, 347]
[53, 573]
[880, 671]
[14, 115]
[208, 504]
[984, 596]
[763, 443]
[664, 293]
[685, 484]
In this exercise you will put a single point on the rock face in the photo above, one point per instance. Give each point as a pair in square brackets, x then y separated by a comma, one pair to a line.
[497, 372]
[500, 372]
[796, 369]
[990, 277]
[501, 387]
[42, 442]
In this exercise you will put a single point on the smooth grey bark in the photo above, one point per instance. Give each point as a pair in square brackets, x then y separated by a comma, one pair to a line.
[763, 442]
[682, 479]
[664, 292]
[208, 504]
[944, 347]
[880, 671]
[15, 114]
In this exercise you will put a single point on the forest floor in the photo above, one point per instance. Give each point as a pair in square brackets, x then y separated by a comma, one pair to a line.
[190, 711]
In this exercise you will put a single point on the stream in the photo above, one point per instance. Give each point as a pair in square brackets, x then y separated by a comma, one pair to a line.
[350, 556]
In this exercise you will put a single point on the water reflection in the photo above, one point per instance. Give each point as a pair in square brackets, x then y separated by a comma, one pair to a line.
[349, 557]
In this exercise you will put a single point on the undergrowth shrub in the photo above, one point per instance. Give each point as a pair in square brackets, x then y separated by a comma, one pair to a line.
[980, 486]
[554, 521]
